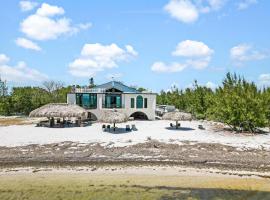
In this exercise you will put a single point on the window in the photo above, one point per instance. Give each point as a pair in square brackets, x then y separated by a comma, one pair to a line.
[145, 102]
[79, 99]
[132, 103]
[93, 101]
[113, 101]
[139, 102]
[88, 101]
[85, 100]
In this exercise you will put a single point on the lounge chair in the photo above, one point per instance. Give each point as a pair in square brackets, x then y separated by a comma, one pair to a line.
[128, 128]
[133, 127]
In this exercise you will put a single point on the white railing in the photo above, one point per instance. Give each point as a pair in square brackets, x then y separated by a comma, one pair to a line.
[90, 90]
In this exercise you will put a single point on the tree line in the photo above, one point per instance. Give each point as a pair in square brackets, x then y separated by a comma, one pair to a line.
[22, 100]
[237, 103]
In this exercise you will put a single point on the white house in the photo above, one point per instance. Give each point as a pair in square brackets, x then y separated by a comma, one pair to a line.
[114, 95]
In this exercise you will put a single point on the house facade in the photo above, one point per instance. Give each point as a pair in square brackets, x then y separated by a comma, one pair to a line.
[114, 95]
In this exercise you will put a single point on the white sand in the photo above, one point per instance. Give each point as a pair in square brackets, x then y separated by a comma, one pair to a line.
[29, 134]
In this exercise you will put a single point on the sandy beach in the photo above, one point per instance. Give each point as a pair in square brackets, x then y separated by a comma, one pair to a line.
[21, 135]
[154, 162]
[154, 143]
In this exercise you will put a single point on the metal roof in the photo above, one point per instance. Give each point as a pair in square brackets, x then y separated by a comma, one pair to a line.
[117, 85]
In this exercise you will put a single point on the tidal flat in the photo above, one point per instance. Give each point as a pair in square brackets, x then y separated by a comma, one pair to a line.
[84, 185]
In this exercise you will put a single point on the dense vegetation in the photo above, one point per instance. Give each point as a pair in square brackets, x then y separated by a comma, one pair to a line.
[22, 100]
[237, 102]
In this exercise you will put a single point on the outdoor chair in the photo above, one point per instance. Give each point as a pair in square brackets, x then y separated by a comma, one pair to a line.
[103, 127]
[108, 127]
[128, 128]
[133, 127]
[201, 127]
[171, 125]
[69, 123]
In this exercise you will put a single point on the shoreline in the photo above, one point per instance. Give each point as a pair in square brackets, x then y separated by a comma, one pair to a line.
[150, 170]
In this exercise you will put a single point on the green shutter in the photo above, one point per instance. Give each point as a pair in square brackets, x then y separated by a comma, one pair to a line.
[132, 103]
[145, 102]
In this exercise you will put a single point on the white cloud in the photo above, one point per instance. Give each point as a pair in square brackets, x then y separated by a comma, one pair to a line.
[47, 10]
[131, 50]
[84, 26]
[216, 4]
[98, 57]
[20, 73]
[182, 10]
[200, 63]
[196, 54]
[211, 85]
[162, 67]
[27, 44]
[27, 5]
[3, 59]
[244, 52]
[43, 25]
[211, 5]
[264, 79]
[244, 4]
[188, 11]
[189, 48]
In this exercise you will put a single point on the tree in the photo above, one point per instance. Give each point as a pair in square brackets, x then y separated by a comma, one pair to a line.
[91, 82]
[239, 104]
[3, 88]
[53, 88]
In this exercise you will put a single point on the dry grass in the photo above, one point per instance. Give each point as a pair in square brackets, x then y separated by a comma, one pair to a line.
[16, 121]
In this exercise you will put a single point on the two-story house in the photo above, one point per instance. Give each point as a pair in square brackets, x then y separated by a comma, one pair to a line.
[114, 95]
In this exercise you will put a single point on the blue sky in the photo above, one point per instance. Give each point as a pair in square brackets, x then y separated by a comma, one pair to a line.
[154, 43]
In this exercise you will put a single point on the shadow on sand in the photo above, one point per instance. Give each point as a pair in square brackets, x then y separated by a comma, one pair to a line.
[180, 129]
[214, 194]
[118, 131]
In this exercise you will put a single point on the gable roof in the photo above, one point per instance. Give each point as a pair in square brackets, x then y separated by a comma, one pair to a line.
[117, 85]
